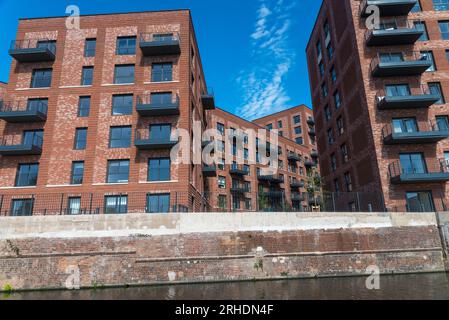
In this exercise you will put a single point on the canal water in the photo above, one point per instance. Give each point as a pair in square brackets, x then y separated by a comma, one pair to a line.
[419, 286]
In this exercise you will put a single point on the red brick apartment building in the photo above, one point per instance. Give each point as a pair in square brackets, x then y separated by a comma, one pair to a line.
[88, 113]
[380, 98]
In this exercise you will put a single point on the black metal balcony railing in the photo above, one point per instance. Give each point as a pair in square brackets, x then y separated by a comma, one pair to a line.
[240, 188]
[208, 99]
[209, 170]
[297, 196]
[416, 97]
[292, 156]
[148, 106]
[33, 50]
[400, 64]
[388, 7]
[314, 154]
[16, 146]
[154, 44]
[311, 121]
[23, 111]
[309, 163]
[271, 178]
[297, 184]
[426, 133]
[430, 172]
[145, 141]
[393, 32]
[312, 132]
[238, 170]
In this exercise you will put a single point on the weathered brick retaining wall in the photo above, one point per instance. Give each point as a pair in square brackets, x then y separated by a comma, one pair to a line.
[40, 252]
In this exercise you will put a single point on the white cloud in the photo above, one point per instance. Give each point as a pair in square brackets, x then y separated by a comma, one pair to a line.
[262, 82]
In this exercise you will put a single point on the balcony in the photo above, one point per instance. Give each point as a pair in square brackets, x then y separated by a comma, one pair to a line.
[312, 132]
[208, 99]
[239, 189]
[209, 171]
[160, 44]
[314, 200]
[417, 97]
[34, 50]
[293, 157]
[393, 32]
[15, 146]
[311, 121]
[273, 194]
[297, 184]
[314, 154]
[400, 64]
[23, 111]
[309, 163]
[271, 178]
[147, 106]
[144, 141]
[388, 7]
[431, 172]
[426, 134]
[238, 171]
[296, 196]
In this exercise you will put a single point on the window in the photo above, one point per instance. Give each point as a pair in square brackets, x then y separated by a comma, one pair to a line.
[421, 26]
[344, 153]
[269, 126]
[405, 125]
[160, 132]
[420, 202]
[74, 205]
[221, 164]
[297, 119]
[298, 130]
[428, 55]
[319, 53]
[22, 207]
[159, 169]
[27, 175]
[235, 203]
[115, 204]
[327, 113]
[391, 57]
[248, 204]
[412, 163]
[442, 123]
[90, 47]
[336, 186]
[348, 181]
[333, 75]
[77, 172]
[122, 104]
[337, 100]
[321, 68]
[330, 137]
[435, 88]
[161, 98]
[395, 90]
[87, 76]
[165, 37]
[83, 106]
[330, 51]
[280, 125]
[124, 74]
[221, 128]
[37, 104]
[41, 78]
[246, 154]
[340, 126]
[161, 72]
[417, 7]
[120, 137]
[324, 91]
[444, 29]
[246, 168]
[118, 171]
[222, 182]
[441, 5]
[33, 137]
[299, 140]
[333, 162]
[80, 138]
[158, 203]
[222, 201]
[126, 46]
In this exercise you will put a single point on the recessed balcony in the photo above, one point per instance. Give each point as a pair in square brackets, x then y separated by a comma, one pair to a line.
[431, 172]
[16, 146]
[153, 105]
[144, 140]
[208, 99]
[425, 135]
[406, 98]
[209, 171]
[296, 196]
[297, 184]
[393, 32]
[33, 50]
[23, 111]
[153, 44]
[238, 171]
[293, 157]
[400, 64]
[388, 7]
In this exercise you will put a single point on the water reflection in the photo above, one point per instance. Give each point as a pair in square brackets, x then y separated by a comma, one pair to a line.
[424, 286]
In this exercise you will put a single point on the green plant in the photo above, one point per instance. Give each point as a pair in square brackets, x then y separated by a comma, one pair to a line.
[8, 288]
[284, 274]
[258, 265]
[13, 248]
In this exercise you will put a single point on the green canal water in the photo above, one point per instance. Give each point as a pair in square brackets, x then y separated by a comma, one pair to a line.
[417, 286]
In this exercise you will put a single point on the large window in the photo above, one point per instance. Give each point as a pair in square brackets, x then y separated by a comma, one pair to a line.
[126, 46]
[27, 175]
[222, 182]
[22, 207]
[158, 203]
[83, 106]
[420, 202]
[394, 90]
[37, 104]
[435, 88]
[80, 138]
[41, 78]
[405, 125]
[412, 163]
[87, 76]
[122, 104]
[160, 132]
[118, 171]
[77, 172]
[124, 74]
[33, 137]
[161, 72]
[160, 98]
[444, 29]
[74, 205]
[421, 26]
[441, 5]
[90, 47]
[115, 204]
[120, 137]
[159, 169]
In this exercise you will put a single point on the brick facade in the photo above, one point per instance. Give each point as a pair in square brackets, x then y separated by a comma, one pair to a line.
[370, 158]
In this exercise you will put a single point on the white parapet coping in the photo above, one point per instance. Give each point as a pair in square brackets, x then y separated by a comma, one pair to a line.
[142, 224]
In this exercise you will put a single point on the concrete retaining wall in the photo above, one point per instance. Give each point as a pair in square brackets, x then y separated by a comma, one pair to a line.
[42, 252]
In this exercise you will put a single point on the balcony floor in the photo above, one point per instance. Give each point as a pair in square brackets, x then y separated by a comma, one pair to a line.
[407, 102]
[32, 55]
[159, 48]
[416, 137]
[148, 110]
[154, 145]
[421, 178]
[393, 37]
[20, 150]
[23, 116]
[405, 68]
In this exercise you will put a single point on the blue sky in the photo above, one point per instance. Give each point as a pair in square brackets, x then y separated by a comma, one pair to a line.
[253, 51]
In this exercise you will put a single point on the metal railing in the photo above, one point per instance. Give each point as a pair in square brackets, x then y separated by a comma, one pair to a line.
[392, 24]
[159, 37]
[152, 101]
[34, 44]
[23, 106]
[145, 135]
[396, 169]
[208, 92]
[422, 89]
[406, 56]
[429, 126]
[18, 140]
